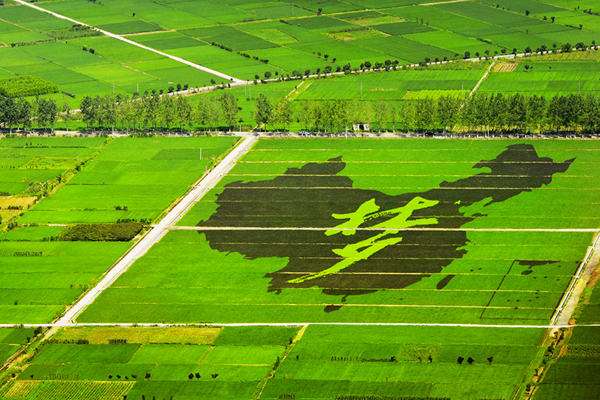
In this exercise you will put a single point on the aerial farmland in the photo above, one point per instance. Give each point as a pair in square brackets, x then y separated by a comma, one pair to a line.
[285, 200]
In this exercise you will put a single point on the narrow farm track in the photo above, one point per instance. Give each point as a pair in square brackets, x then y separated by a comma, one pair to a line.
[284, 325]
[263, 384]
[482, 79]
[159, 230]
[234, 81]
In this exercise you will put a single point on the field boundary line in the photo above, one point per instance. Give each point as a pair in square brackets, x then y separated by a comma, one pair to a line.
[420, 229]
[568, 303]
[487, 72]
[176, 212]
[299, 89]
[288, 349]
[288, 325]
[235, 81]
[435, 3]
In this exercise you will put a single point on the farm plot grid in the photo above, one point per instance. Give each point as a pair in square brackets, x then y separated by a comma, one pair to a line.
[313, 362]
[173, 363]
[11, 340]
[249, 39]
[74, 62]
[88, 200]
[374, 231]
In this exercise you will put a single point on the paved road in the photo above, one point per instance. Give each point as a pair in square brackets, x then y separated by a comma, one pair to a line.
[159, 230]
[568, 304]
[234, 81]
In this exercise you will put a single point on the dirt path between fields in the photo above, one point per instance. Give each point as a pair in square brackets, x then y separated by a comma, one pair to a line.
[283, 324]
[482, 79]
[421, 229]
[265, 381]
[233, 80]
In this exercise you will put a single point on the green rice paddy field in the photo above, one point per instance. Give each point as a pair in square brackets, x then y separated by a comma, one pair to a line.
[119, 180]
[248, 39]
[573, 374]
[263, 247]
[11, 340]
[303, 231]
[224, 364]
[278, 363]
[550, 75]
[296, 35]
[114, 67]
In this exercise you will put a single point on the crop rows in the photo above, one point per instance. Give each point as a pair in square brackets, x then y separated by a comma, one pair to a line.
[109, 182]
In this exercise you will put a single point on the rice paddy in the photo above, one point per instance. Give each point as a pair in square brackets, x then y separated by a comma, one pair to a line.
[312, 268]
[100, 181]
[277, 240]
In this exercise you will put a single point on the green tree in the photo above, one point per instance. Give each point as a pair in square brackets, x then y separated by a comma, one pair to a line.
[230, 108]
[88, 111]
[8, 111]
[425, 115]
[46, 112]
[264, 110]
[23, 113]
[183, 111]
[282, 114]
[208, 112]
[536, 112]
[382, 114]
[168, 116]
[447, 112]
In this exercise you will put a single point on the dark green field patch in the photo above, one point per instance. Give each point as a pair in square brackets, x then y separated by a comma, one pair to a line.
[134, 26]
[360, 15]
[173, 42]
[120, 232]
[348, 258]
[402, 28]
[320, 22]
[229, 37]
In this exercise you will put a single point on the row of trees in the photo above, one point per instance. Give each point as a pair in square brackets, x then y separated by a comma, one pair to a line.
[23, 114]
[153, 112]
[487, 113]
[480, 113]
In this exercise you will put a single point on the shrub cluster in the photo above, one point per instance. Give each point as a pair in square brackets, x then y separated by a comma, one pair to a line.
[122, 232]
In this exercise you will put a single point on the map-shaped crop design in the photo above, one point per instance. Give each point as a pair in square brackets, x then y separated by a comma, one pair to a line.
[354, 241]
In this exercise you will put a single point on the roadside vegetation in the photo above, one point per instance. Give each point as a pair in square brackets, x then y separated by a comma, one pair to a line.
[123, 231]
[480, 113]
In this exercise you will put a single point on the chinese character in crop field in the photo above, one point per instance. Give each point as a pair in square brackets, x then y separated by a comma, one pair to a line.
[352, 241]
[388, 232]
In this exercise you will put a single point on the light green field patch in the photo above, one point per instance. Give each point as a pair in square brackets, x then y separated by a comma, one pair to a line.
[59, 390]
[356, 34]
[427, 94]
[141, 335]
[169, 354]
[384, 19]
[274, 36]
